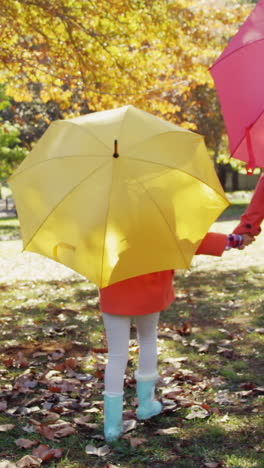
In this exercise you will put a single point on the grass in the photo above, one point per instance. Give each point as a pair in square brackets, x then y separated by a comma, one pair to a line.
[219, 366]
[9, 229]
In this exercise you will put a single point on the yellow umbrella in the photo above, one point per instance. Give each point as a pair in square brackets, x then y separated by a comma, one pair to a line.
[116, 194]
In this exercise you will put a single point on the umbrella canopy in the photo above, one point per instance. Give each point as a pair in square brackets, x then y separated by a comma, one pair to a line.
[238, 76]
[116, 194]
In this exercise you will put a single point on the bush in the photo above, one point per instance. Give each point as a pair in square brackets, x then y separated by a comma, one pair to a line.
[11, 153]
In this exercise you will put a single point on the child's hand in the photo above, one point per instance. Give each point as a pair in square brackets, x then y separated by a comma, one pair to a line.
[239, 241]
[247, 240]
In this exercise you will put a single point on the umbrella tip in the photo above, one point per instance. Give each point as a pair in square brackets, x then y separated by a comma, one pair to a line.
[115, 155]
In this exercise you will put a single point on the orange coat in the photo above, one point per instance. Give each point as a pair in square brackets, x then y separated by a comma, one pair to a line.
[251, 220]
[152, 292]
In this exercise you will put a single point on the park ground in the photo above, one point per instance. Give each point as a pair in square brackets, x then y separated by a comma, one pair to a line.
[211, 356]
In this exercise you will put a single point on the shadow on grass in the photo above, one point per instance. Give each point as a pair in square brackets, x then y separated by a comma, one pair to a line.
[208, 297]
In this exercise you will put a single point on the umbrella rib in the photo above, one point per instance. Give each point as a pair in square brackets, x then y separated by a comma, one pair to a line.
[52, 159]
[176, 169]
[88, 130]
[122, 122]
[164, 218]
[183, 131]
[234, 52]
[105, 229]
[61, 200]
[243, 137]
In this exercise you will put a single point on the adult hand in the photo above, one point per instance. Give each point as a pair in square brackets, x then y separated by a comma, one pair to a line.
[247, 240]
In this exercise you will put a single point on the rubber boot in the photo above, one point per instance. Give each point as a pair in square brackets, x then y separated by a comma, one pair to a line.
[147, 406]
[113, 408]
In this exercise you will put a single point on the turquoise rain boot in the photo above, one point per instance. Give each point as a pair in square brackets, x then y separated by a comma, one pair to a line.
[147, 406]
[113, 408]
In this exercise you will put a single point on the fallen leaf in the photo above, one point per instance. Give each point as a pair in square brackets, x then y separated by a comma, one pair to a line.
[46, 453]
[25, 443]
[46, 431]
[28, 428]
[247, 386]
[173, 394]
[54, 389]
[7, 464]
[215, 410]
[169, 430]
[62, 430]
[3, 405]
[6, 427]
[129, 425]
[214, 465]
[51, 417]
[28, 461]
[56, 355]
[224, 418]
[136, 441]
[9, 362]
[186, 329]
[211, 465]
[204, 348]
[99, 452]
[72, 363]
[226, 352]
[259, 389]
[129, 414]
[99, 350]
[244, 393]
[21, 361]
[82, 420]
[197, 412]
[103, 451]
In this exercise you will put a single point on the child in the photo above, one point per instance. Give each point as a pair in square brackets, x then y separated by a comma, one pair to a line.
[142, 297]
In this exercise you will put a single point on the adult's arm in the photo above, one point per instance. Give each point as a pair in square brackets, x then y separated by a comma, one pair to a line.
[251, 220]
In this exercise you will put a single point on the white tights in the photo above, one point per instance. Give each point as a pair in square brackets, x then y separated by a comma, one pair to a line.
[118, 333]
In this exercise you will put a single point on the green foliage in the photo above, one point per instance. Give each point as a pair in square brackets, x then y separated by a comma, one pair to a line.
[11, 153]
[4, 100]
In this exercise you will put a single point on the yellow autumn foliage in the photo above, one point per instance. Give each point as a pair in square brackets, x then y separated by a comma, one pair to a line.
[113, 53]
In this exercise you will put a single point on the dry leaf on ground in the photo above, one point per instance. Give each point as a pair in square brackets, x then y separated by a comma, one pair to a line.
[28, 461]
[3, 405]
[7, 464]
[197, 412]
[25, 443]
[46, 453]
[169, 430]
[129, 425]
[100, 452]
[6, 427]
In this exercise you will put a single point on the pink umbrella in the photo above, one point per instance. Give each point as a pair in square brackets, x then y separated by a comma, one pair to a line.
[239, 79]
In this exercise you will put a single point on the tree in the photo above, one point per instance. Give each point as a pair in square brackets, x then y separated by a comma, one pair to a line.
[132, 51]
[11, 152]
[76, 56]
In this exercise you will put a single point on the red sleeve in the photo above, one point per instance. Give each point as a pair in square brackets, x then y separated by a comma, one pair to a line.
[251, 220]
[212, 244]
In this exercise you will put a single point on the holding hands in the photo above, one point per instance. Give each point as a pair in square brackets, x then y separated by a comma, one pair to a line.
[239, 241]
[247, 240]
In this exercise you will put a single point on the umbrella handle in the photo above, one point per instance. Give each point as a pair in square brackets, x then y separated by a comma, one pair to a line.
[64, 245]
[115, 155]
